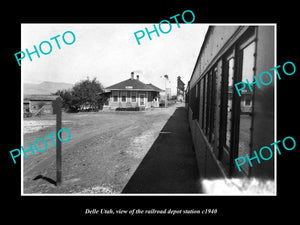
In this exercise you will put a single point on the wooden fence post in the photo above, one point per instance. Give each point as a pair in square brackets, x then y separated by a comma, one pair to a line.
[57, 110]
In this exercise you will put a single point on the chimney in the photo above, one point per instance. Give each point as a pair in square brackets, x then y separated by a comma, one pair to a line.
[132, 75]
[137, 77]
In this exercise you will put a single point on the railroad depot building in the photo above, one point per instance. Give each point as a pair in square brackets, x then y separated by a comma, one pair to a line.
[132, 93]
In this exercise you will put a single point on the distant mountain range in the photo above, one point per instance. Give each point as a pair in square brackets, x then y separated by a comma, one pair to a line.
[44, 88]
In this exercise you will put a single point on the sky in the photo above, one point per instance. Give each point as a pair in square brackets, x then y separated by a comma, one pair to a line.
[110, 53]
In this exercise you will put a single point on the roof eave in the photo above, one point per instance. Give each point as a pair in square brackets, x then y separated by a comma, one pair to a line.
[131, 90]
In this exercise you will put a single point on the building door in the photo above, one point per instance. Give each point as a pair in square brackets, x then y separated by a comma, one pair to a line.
[142, 99]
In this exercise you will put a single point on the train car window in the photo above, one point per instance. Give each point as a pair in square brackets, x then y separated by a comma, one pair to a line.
[208, 114]
[201, 110]
[196, 106]
[204, 103]
[230, 71]
[213, 105]
[193, 97]
[195, 102]
[198, 101]
[247, 72]
[226, 110]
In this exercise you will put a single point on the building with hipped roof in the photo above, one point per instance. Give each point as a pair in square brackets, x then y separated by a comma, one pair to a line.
[132, 93]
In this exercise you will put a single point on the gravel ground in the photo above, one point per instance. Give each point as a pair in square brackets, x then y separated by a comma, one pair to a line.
[104, 150]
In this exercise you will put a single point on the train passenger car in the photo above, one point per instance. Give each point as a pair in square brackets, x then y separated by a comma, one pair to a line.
[224, 125]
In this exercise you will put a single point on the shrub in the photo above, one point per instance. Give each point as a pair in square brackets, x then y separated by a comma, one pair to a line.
[128, 109]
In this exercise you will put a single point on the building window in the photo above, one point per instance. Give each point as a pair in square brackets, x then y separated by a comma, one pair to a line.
[123, 96]
[133, 96]
[115, 98]
[247, 102]
[128, 96]
[142, 99]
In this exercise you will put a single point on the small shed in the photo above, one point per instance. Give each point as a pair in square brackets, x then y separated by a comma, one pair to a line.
[38, 104]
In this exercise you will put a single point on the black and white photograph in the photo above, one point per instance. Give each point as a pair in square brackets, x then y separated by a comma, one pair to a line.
[142, 119]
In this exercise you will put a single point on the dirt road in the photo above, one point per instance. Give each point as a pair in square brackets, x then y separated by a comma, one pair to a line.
[104, 151]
